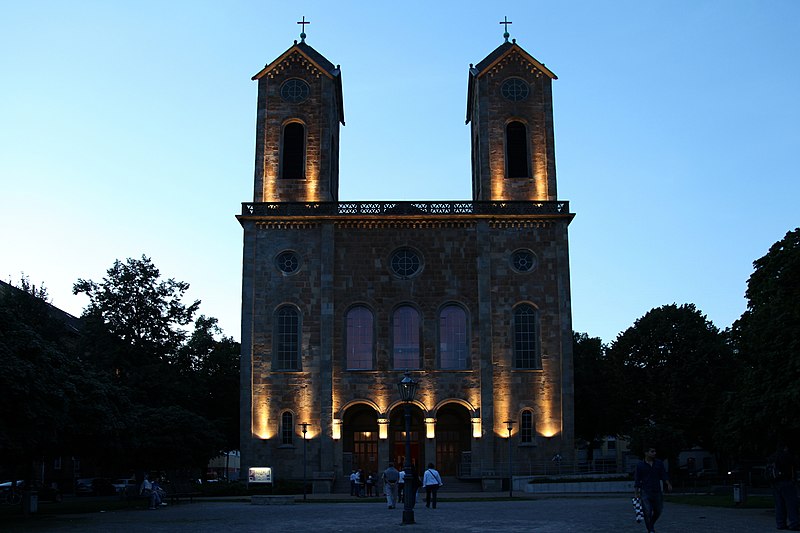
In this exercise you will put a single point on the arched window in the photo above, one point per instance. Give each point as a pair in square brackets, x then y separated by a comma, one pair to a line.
[526, 337]
[287, 428]
[453, 338]
[526, 426]
[358, 339]
[517, 159]
[286, 340]
[293, 153]
[405, 325]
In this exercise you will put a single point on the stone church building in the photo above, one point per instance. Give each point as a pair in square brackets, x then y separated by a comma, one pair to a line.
[341, 298]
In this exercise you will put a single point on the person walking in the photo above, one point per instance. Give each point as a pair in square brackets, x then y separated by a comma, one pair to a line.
[648, 478]
[431, 480]
[781, 471]
[390, 477]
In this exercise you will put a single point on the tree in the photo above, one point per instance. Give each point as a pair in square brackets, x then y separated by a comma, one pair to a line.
[597, 413]
[213, 361]
[767, 340]
[52, 403]
[672, 368]
[138, 308]
[178, 388]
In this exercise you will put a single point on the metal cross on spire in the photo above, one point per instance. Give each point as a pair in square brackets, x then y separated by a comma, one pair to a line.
[505, 22]
[303, 31]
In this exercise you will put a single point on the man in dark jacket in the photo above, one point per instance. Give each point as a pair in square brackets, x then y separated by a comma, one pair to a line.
[782, 464]
[647, 485]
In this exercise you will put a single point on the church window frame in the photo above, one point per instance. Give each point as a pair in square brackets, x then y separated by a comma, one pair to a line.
[287, 428]
[293, 150]
[406, 263]
[359, 338]
[515, 89]
[453, 337]
[527, 426]
[287, 339]
[406, 338]
[524, 260]
[295, 91]
[517, 149]
[288, 262]
[526, 333]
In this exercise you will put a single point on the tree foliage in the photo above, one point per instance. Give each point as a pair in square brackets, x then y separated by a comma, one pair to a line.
[129, 390]
[597, 414]
[672, 368]
[767, 341]
[138, 307]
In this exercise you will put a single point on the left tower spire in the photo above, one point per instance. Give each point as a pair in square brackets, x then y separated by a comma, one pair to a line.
[300, 109]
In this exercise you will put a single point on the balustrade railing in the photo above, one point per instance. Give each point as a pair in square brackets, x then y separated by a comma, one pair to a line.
[424, 208]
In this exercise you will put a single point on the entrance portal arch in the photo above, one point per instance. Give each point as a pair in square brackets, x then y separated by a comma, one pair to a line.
[453, 438]
[360, 439]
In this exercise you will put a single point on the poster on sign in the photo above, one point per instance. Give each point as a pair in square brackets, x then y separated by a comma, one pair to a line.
[260, 474]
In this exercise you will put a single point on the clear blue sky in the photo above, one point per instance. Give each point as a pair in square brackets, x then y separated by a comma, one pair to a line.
[128, 128]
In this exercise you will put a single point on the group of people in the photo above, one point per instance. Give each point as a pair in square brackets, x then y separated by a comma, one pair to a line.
[154, 492]
[361, 486]
[401, 486]
[398, 485]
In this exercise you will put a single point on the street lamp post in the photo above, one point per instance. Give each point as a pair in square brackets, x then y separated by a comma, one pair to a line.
[305, 430]
[510, 425]
[408, 389]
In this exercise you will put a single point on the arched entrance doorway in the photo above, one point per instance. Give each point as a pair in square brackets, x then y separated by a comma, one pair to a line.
[397, 437]
[453, 444]
[360, 439]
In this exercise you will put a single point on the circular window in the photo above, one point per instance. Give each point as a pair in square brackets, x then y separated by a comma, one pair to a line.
[514, 89]
[405, 263]
[295, 91]
[523, 260]
[287, 262]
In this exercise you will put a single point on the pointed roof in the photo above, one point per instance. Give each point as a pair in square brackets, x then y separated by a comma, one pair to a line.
[495, 58]
[505, 49]
[316, 61]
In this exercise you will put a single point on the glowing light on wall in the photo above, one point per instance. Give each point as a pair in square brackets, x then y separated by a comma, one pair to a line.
[261, 420]
[383, 428]
[476, 428]
[430, 428]
[549, 432]
[336, 429]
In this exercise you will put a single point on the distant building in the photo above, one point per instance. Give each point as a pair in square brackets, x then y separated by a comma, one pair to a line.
[341, 298]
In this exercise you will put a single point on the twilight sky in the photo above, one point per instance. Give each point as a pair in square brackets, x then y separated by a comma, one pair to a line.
[128, 128]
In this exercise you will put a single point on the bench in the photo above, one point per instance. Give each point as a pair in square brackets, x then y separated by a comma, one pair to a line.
[181, 490]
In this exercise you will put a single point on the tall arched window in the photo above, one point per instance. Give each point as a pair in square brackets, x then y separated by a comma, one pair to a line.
[287, 428]
[286, 340]
[517, 160]
[526, 426]
[293, 152]
[405, 326]
[453, 338]
[526, 337]
[358, 338]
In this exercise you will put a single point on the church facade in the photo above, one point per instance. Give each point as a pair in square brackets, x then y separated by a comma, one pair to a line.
[341, 299]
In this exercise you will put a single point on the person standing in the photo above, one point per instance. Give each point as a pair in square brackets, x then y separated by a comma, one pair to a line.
[390, 477]
[781, 468]
[401, 485]
[431, 480]
[353, 483]
[648, 478]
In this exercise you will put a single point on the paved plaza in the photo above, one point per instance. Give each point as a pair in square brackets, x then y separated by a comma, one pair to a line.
[545, 515]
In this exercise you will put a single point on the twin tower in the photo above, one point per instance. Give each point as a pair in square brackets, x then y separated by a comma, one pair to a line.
[300, 109]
